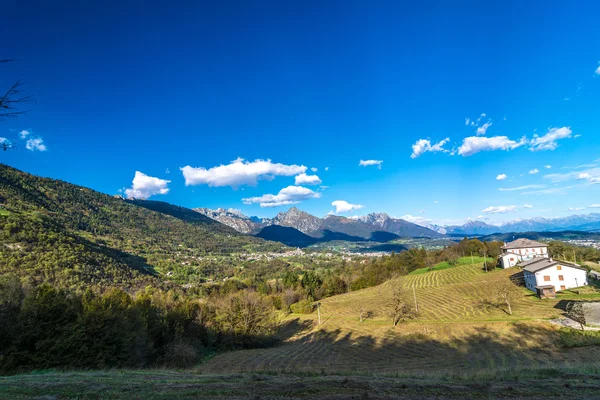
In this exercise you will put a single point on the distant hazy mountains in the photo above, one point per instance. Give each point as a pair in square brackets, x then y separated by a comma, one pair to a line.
[584, 223]
[376, 227]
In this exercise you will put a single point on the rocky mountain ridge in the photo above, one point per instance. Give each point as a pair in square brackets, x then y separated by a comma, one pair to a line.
[316, 227]
[366, 225]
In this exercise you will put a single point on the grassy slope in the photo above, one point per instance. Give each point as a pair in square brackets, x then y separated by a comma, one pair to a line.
[452, 332]
[580, 383]
[459, 262]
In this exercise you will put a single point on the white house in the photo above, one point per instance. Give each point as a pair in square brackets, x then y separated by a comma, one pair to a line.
[544, 272]
[521, 250]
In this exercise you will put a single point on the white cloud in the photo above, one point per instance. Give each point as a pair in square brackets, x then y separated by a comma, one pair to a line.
[326, 168]
[286, 196]
[416, 220]
[3, 140]
[584, 175]
[576, 208]
[534, 171]
[476, 144]
[304, 179]
[167, 171]
[527, 206]
[467, 121]
[313, 169]
[483, 128]
[521, 188]
[501, 177]
[499, 209]
[424, 145]
[598, 71]
[548, 141]
[547, 166]
[342, 206]
[23, 134]
[145, 186]
[594, 206]
[238, 173]
[35, 144]
[366, 163]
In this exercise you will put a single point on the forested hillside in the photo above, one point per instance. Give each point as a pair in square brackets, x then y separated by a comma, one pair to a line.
[58, 232]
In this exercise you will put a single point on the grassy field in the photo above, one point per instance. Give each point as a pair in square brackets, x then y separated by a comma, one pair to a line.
[461, 261]
[453, 332]
[571, 383]
[455, 349]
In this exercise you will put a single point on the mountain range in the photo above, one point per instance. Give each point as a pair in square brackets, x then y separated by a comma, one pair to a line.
[367, 225]
[380, 226]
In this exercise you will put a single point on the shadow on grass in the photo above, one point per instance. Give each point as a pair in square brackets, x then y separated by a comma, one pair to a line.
[342, 351]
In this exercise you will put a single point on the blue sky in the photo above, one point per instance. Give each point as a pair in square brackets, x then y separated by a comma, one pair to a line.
[155, 87]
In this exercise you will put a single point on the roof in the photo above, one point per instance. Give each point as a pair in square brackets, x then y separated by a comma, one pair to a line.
[540, 263]
[523, 243]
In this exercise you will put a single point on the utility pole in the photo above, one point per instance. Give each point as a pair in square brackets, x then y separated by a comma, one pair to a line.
[415, 296]
[485, 260]
[319, 312]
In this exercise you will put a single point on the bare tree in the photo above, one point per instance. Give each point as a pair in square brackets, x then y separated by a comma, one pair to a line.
[13, 99]
[401, 309]
[505, 291]
[10, 106]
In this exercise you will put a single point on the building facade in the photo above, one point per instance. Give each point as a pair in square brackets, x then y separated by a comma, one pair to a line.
[542, 272]
[521, 250]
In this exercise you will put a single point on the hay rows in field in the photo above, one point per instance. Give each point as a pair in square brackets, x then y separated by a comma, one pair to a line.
[461, 350]
[449, 294]
[448, 336]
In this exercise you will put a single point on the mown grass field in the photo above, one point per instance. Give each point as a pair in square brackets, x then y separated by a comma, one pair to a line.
[571, 383]
[453, 332]
[461, 261]
[455, 349]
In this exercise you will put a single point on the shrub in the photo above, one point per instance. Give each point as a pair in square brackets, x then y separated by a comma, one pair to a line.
[570, 337]
[303, 307]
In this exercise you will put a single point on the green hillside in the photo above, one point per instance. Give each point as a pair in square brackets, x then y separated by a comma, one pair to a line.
[58, 232]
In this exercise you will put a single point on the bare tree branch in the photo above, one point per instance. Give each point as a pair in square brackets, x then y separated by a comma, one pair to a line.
[12, 101]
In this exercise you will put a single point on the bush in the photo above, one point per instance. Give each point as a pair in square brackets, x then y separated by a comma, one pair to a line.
[182, 353]
[570, 337]
[303, 307]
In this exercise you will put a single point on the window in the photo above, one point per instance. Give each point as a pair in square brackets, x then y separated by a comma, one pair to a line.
[546, 278]
[562, 287]
[561, 278]
[512, 259]
[559, 267]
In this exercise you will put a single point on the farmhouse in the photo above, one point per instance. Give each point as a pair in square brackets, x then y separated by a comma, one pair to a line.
[545, 273]
[521, 250]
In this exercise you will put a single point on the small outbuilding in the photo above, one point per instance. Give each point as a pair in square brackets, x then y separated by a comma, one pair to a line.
[594, 275]
[545, 292]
